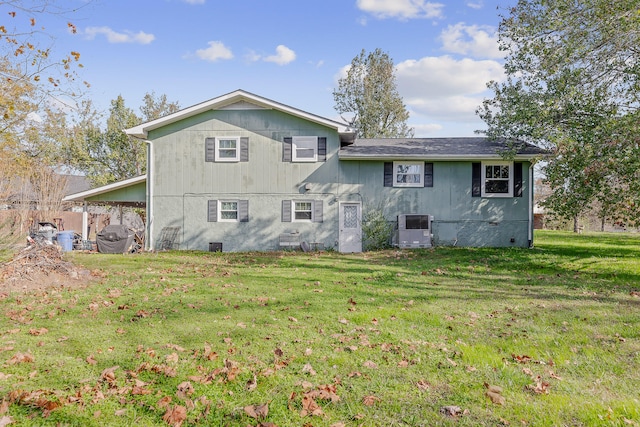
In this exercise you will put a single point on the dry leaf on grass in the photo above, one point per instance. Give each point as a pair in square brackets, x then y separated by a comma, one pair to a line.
[175, 416]
[494, 393]
[257, 411]
[370, 400]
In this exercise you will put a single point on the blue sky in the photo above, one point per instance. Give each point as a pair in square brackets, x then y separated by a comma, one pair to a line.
[291, 51]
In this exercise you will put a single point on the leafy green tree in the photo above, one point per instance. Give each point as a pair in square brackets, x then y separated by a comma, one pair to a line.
[368, 93]
[109, 155]
[572, 86]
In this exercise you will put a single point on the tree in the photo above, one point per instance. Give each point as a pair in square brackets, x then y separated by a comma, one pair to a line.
[368, 92]
[573, 79]
[109, 155]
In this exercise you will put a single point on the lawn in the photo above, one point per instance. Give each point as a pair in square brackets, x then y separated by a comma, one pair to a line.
[450, 336]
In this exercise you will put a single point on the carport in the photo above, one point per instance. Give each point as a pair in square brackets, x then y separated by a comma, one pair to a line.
[128, 193]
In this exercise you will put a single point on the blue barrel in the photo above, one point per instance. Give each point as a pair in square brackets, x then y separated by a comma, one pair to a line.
[65, 240]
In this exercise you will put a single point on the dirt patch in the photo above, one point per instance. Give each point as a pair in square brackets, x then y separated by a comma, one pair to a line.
[39, 267]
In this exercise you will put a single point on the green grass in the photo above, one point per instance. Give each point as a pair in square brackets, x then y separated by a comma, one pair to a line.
[417, 330]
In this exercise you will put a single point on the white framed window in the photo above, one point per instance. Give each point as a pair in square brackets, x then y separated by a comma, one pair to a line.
[408, 174]
[302, 211]
[304, 149]
[227, 211]
[227, 149]
[497, 179]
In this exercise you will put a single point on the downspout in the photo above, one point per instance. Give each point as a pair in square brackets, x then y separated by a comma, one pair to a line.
[149, 239]
[530, 205]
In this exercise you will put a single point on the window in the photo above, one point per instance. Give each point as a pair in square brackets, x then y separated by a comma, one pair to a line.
[302, 210]
[497, 179]
[408, 174]
[228, 211]
[304, 149]
[227, 149]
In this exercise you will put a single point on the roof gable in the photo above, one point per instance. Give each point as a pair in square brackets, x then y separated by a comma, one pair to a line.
[239, 100]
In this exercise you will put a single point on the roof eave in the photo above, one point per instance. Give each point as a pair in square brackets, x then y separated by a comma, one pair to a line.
[440, 157]
[79, 197]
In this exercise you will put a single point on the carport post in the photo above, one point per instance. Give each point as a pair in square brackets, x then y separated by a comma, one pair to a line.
[85, 222]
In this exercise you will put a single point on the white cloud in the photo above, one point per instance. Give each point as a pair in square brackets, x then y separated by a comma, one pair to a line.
[216, 51]
[115, 37]
[283, 56]
[444, 87]
[401, 9]
[475, 5]
[194, 1]
[480, 41]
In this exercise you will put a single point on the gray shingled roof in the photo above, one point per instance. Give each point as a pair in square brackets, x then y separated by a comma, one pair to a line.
[434, 148]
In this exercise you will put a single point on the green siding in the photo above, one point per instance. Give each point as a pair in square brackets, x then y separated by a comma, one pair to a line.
[133, 193]
[183, 183]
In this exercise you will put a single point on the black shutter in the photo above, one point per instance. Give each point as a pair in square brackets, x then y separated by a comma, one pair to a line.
[244, 149]
[388, 174]
[286, 149]
[212, 211]
[210, 150]
[286, 211]
[322, 149]
[243, 210]
[517, 179]
[317, 210]
[428, 174]
[476, 179]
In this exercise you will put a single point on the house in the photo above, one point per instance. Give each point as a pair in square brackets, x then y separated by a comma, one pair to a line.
[241, 172]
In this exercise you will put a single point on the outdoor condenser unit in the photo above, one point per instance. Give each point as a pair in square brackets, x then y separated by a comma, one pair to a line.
[414, 231]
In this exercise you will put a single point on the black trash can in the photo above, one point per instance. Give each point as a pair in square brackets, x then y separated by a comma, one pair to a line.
[215, 246]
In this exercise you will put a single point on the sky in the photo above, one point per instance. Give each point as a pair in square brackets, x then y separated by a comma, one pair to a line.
[290, 51]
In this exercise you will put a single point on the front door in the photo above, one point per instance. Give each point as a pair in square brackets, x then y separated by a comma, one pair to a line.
[350, 236]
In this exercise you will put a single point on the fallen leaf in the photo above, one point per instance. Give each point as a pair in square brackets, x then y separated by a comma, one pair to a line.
[257, 411]
[90, 360]
[175, 416]
[370, 400]
[6, 420]
[451, 411]
[370, 364]
[252, 384]
[308, 369]
[36, 332]
[496, 398]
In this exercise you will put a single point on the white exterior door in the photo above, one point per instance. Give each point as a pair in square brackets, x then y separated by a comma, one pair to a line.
[350, 235]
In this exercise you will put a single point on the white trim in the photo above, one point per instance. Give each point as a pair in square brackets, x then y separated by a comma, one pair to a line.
[304, 142]
[224, 101]
[420, 165]
[509, 180]
[217, 156]
[237, 211]
[79, 197]
[293, 211]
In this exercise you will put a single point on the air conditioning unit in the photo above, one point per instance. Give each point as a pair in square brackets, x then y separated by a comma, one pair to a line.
[414, 231]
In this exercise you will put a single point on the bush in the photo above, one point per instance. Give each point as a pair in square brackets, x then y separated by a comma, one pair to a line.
[376, 230]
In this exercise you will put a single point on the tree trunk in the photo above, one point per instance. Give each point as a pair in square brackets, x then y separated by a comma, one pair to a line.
[602, 224]
[575, 223]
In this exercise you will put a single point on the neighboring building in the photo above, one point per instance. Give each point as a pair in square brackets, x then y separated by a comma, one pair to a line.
[241, 172]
